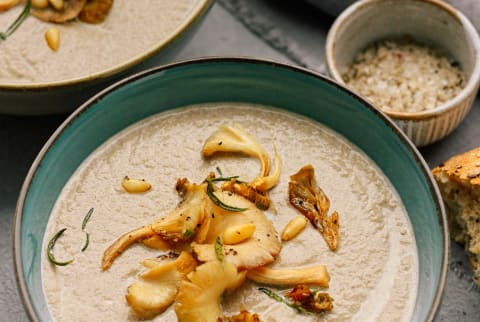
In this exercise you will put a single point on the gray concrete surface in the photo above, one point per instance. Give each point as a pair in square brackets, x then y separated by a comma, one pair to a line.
[286, 31]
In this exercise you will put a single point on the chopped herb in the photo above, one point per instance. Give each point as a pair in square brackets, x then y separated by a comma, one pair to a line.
[219, 171]
[222, 178]
[87, 241]
[51, 243]
[188, 233]
[87, 218]
[219, 249]
[11, 29]
[84, 225]
[281, 299]
[215, 199]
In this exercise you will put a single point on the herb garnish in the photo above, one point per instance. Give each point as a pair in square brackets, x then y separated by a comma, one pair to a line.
[84, 224]
[11, 29]
[219, 249]
[281, 299]
[51, 243]
[215, 199]
[188, 233]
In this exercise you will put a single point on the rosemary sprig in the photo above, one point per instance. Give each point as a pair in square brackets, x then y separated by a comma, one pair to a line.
[84, 225]
[219, 249]
[23, 15]
[87, 218]
[281, 299]
[215, 199]
[51, 243]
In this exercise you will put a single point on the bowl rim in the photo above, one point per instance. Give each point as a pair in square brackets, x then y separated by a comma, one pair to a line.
[193, 17]
[85, 107]
[470, 31]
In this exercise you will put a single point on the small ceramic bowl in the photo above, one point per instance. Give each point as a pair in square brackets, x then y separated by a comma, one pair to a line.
[35, 80]
[216, 80]
[430, 22]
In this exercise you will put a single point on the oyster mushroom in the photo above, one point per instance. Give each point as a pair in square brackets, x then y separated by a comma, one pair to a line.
[157, 288]
[313, 275]
[199, 297]
[308, 198]
[70, 10]
[179, 225]
[235, 139]
[260, 249]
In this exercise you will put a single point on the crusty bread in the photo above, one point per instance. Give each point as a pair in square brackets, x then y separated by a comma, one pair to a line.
[459, 182]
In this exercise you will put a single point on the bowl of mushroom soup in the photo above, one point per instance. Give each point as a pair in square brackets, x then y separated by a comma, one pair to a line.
[142, 194]
[57, 58]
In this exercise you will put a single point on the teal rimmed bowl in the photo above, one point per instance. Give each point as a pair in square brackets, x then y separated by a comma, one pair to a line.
[232, 80]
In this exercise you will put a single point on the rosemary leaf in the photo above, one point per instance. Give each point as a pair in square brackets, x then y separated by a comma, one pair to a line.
[87, 218]
[84, 225]
[281, 299]
[219, 171]
[51, 243]
[219, 249]
[222, 178]
[23, 15]
[217, 201]
[87, 241]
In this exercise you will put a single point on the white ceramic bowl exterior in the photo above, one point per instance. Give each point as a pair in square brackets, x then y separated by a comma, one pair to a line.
[432, 22]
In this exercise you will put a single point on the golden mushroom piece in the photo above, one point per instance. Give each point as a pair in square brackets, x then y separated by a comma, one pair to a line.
[312, 275]
[235, 139]
[199, 297]
[178, 225]
[7, 4]
[308, 198]
[258, 250]
[157, 288]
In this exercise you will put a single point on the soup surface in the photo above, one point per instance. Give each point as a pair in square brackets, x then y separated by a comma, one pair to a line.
[373, 273]
[130, 29]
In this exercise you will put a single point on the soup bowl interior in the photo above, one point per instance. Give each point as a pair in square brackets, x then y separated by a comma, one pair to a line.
[230, 80]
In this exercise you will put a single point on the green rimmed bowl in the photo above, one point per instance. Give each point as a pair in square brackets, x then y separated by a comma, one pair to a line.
[231, 80]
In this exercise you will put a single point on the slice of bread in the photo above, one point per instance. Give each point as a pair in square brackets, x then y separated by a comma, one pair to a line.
[459, 182]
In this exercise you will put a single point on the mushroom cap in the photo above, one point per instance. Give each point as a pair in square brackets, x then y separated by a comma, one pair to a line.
[199, 297]
[259, 250]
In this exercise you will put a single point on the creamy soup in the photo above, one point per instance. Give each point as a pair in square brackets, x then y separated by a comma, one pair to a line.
[131, 28]
[373, 273]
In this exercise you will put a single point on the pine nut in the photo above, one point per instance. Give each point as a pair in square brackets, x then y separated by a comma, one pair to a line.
[294, 227]
[57, 4]
[135, 185]
[40, 4]
[52, 36]
[237, 234]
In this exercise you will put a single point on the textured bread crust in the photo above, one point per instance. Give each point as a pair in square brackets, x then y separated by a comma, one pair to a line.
[459, 182]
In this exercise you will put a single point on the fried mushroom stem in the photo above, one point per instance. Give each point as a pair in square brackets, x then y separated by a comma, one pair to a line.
[313, 275]
[179, 225]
